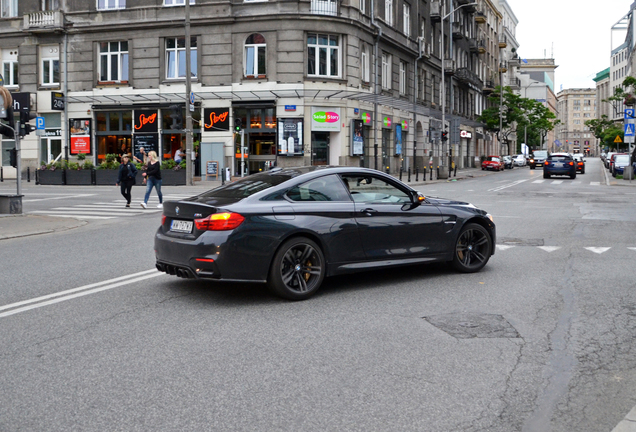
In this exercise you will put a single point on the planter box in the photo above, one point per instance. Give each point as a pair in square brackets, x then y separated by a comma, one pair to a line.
[106, 177]
[79, 177]
[48, 177]
[173, 178]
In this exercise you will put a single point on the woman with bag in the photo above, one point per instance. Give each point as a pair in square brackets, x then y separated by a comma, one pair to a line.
[153, 179]
[126, 178]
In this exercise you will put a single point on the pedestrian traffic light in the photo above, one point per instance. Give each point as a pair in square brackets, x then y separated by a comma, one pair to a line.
[5, 131]
[444, 136]
[238, 123]
[25, 117]
[177, 117]
[13, 157]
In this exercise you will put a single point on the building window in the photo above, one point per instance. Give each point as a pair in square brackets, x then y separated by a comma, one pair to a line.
[388, 12]
[8, 8]
[50, 5]
[10, 67]
[255, 56]
[176, 2]
[363, 6]
[402, 77]
[50, 65]
[113, 61]
[386, 71]
[364, 63]
[407, 20]
[111, 4]
[176, 58]
[323, 55]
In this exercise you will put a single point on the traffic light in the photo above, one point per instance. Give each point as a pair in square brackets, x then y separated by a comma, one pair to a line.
[25, 127]
[177, 117]
[13, 157]
[444, 136]
[5, 131]
[238, 123]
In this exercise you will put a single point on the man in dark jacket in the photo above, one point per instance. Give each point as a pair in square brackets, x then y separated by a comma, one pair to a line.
[126, 178]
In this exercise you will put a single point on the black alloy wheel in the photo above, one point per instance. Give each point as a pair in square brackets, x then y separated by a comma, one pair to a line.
[297, 270]
[473, 249]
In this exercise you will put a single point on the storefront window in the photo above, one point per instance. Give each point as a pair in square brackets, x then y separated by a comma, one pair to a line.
[172, 139]
[112, 132]
[256, 119]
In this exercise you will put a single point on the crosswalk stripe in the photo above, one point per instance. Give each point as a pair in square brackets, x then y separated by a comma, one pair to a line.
[81, 216]
[549, 248]
[595, 183]
[83, 212]
[555, 182]
[598, 250]
[538, 181]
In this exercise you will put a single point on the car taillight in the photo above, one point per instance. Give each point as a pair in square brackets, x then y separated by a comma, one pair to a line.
[163, 219]
[580, 163]
[219, 222]
[571, 163]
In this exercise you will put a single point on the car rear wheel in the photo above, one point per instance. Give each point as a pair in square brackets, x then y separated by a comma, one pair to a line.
[473, 249]
[298, 269]
[573, 176]
[546, 175]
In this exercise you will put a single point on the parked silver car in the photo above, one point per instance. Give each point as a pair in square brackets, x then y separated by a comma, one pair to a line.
[520, 160]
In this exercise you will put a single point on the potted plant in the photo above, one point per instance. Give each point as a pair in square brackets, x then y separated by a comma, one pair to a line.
[173, 174]
[50, 174]
[107, 172]
[79, 173]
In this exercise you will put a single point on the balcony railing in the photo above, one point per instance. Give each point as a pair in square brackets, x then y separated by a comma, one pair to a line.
[469, 77]
[449, 66]
[480, 18]
[44, 21]
[457, 31]
[514, 83]
[503, 42]
[325, 7]
[435, 11]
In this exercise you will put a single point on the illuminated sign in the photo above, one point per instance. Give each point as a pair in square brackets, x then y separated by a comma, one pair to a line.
[146, 121]
[367, 118]
[325, 119]
[216, 119]
[465, 134]
[80, 131]
[386, 122]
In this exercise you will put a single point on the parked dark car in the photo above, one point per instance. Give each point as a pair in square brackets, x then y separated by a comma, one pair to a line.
[559, 164]
[612, 158]
[537, 158]
[620, 161]
[293, 227]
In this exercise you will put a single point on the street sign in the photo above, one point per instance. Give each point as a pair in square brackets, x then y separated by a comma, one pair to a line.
[628, 113]
[191, 97]
[39, 123]
[629, 129]
[618, 139]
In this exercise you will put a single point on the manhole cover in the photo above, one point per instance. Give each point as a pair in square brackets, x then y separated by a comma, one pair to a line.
[519, 242]
[469, 325]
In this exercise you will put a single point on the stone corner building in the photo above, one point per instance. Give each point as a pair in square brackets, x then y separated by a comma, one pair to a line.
[313, 82]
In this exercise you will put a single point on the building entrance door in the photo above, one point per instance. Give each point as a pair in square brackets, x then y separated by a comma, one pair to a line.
[50, 149]
[320, 148]
[386, 147]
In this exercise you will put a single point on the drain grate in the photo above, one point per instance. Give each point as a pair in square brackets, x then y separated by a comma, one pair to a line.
[519, 242]
[470, 325]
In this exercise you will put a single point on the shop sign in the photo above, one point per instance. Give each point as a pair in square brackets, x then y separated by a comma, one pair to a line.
[325, 119]
[146, 121]
[357, 138]
[216, 119]
[386, 122]
[57, 101]
[367, 118]
[290, 137]
[150, 142]
[465, 134]
[80, 133]
[398, 139]
[290, 107]
[52, 133]
[405, 125]
[21, 101]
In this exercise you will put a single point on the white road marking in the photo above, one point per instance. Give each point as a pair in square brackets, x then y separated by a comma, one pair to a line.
[504, 247]
[598, 250]
[81, 216]
[58, 197]
[498, 188]
[538, 181]
[46, 300]
[634, 248]
[555, 182]
[549, 248]
[595, 183]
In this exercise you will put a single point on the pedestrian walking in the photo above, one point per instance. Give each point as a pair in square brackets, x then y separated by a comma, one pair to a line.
[126, 178]
[153, 179]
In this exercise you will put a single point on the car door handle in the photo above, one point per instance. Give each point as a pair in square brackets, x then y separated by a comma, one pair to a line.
[369, 211]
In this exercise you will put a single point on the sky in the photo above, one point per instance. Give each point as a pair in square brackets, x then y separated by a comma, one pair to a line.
[577, 34]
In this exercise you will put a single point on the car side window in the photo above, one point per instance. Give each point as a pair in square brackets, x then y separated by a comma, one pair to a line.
[328, 188]
[369, 189]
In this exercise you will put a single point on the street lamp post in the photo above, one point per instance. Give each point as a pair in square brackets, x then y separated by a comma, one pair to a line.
[443, 88]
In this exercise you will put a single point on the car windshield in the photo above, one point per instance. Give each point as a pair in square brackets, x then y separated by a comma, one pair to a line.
[492, 158]
[540, 154]
[623, 159]
[248, 185]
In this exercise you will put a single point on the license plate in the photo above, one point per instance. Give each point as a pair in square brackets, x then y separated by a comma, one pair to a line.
[181, 226]
[558, 164]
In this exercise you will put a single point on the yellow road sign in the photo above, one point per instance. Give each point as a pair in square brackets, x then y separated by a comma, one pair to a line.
[618, 139]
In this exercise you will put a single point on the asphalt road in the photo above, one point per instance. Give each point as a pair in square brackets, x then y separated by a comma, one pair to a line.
[541, 340]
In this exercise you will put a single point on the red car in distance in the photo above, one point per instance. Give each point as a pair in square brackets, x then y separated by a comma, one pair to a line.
[492, 163]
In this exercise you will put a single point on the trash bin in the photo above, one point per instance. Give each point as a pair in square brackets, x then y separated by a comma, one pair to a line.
[11, 204]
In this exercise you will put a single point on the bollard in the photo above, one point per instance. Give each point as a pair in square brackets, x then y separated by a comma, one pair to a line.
[417, 172]
[431, 170]
[455, 170]
[409, 175]
[401, 173]
[437, 173]
[1, 174]
[28, 174]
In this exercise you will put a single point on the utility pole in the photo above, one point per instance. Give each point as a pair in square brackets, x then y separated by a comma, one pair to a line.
[189, 102]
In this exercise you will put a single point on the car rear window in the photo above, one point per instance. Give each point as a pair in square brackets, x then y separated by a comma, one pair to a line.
[540, 154]
[559, 158]
[621, 159]
[248, 185]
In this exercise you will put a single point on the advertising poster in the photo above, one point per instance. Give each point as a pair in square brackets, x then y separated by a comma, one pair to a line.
[80, 134]
[398, 139]
[325, 119]
[216, 119]
[357, 138]
[290, 137]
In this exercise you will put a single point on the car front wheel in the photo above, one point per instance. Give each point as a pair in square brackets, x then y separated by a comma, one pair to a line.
[298, 269]
[472, 249]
